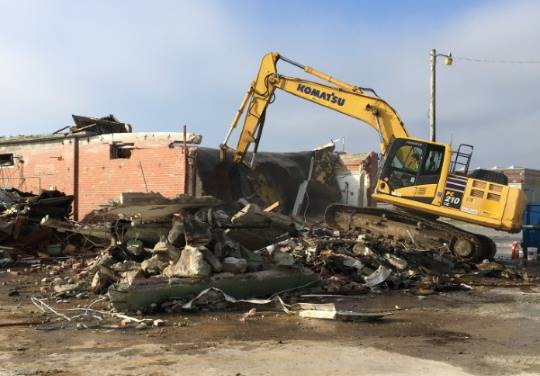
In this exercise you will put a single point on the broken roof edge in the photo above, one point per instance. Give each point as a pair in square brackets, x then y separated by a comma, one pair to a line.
[191, 138]
[91, 127]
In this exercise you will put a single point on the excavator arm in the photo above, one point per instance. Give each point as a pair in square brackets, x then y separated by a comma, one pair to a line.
[335, 94]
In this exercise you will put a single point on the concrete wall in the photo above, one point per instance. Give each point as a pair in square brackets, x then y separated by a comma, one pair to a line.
[91, 174]
[356, 176]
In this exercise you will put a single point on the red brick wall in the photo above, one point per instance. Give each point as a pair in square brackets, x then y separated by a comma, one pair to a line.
[39, 166]
[50, 164]
[102, 178]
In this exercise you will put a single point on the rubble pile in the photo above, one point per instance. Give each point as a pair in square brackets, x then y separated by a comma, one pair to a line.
[201, 242]
[21, 215]
[219, 246]
[163, 253]
[349, 263]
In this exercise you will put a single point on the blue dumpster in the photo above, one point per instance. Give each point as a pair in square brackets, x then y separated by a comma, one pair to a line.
[531, 226]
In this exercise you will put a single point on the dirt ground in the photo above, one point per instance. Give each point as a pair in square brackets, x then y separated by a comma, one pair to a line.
[490, 330]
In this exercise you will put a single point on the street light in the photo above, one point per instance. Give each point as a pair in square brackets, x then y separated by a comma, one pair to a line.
[448, 60]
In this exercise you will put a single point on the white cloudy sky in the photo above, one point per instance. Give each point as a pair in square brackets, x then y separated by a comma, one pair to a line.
[160, 64]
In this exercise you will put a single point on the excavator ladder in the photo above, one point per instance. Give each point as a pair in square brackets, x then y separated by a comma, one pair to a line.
[461, 159]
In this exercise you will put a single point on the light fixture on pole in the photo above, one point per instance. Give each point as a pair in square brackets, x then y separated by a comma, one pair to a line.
[448, 60]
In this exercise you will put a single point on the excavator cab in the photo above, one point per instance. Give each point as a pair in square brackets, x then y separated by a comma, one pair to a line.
[412, 169]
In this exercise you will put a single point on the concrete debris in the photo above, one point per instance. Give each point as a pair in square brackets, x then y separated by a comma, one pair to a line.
[283, 258]
[135, 248]
[144, 208]
[102, 279]
[129, 276]
[155, 264]
[329, 311]
[217, 299]
[67, 288]
[190, 264]
[234, 265]
[163, 247]
[212, 259]
[255, 228]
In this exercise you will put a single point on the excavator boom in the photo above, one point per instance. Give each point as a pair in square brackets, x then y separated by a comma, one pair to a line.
[336, 95]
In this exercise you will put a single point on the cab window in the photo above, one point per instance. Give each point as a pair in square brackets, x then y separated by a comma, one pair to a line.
[413, 163]
[405, 165]
[434, 160]
[409, 158]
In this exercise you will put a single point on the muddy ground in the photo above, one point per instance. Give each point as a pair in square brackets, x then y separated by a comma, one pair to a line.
[490, 330]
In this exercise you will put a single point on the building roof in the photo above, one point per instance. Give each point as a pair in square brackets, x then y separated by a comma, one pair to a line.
[86, 126]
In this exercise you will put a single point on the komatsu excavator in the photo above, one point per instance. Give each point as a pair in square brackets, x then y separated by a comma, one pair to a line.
[424, 180]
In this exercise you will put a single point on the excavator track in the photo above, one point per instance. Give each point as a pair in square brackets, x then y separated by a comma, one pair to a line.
[407, 228]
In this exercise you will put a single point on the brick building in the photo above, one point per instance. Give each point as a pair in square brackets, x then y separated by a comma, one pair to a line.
[96, 161]
[526, 179]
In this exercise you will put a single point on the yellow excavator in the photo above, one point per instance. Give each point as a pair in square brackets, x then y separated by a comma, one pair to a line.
[424, 180]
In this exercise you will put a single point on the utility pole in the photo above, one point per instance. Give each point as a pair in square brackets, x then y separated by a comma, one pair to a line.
[432, 100]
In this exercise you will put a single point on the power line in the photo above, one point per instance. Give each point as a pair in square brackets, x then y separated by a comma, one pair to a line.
[490, 61]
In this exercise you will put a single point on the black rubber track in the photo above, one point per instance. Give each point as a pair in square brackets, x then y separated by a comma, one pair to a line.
[484, 247]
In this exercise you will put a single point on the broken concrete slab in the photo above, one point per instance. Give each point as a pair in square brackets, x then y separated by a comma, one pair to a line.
[255, 228]
[341, 315]
[142, 293]
[154, 208]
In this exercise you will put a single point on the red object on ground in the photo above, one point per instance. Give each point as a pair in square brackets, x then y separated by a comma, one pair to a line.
[515, 250]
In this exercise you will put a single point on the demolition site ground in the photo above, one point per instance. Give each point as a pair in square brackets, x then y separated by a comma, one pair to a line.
[491, 329]
[195, 286]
